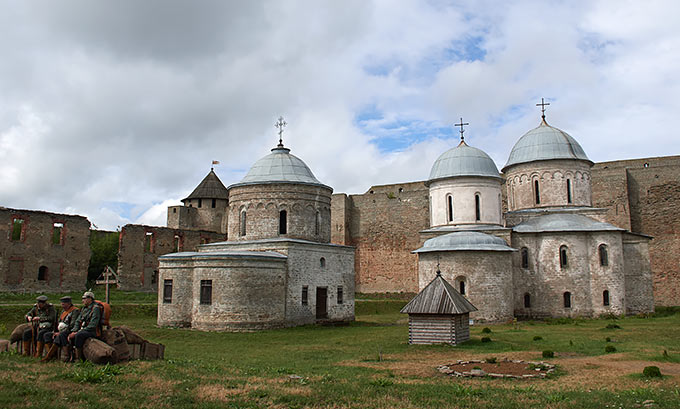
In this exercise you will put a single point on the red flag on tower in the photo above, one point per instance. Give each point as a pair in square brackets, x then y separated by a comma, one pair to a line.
[216, 162]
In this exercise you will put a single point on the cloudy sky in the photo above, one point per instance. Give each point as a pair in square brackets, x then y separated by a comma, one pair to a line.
[115, 109]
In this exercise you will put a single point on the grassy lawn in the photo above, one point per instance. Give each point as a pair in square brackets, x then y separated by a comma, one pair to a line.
[367, 364]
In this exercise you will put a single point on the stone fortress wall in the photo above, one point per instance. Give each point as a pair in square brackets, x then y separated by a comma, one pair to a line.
[140, 246]
[640, 195]
[42, 251]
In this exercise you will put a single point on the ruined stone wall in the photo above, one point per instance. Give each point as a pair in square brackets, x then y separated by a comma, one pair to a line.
[652, 200]
[41, 251]
[140, 246]
[383, 226]
[639, 281]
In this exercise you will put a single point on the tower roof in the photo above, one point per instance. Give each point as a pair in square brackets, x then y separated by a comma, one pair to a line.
[280, 167]
[463, 160]
[439, 297]
[545, 142]
[211, 187]
[560, 222]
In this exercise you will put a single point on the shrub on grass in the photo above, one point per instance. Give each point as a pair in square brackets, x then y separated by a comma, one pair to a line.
[609, 348]
[613, 326]
[486, 339]
[548, 354]
[538, 338]
[490, 360]
[651, 372]
[608, 339]
[486, 330]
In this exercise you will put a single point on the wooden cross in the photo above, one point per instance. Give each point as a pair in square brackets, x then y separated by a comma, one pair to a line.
[461, 124]
[543, 105]
[281, 124]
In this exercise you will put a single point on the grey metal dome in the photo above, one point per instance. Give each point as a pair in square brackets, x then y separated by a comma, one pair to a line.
[465, 240]
[280, 167]
[463, 160]
[545, 142]
[560, 222]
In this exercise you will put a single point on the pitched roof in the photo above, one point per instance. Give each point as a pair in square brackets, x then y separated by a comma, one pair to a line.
[439, 297]
[211, 187]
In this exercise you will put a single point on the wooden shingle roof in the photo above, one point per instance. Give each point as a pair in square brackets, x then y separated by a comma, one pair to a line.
[439, 297]
[211, 187]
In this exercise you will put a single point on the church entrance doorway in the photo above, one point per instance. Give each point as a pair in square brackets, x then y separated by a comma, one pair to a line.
[321, 302]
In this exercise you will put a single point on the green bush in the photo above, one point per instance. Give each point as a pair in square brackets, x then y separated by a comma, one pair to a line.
[548, 354]
[486, 339]
[613, 326]
[651, 372]
[608, 339]
[491, 360]
[538, 338]
[609, 348]
[486, 330]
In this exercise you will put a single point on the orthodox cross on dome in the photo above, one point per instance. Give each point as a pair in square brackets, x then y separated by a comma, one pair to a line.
[281, 124]
[461, 124]
[543, 104]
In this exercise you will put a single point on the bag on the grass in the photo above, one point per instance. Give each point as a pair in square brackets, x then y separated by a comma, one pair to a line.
[98, 352]
[130, 336]
[18, 333]
[153, 351]
[116, 339]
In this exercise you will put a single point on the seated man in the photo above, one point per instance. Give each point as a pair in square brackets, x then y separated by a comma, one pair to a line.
[42, 316]
[86, 324]
[67, 324]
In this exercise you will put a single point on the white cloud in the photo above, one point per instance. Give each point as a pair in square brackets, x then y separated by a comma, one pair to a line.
[129, 102]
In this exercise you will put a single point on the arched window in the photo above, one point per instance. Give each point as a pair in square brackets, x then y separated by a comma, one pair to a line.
[527, 300]
[537, 194]
[42, 273]
[461, 287]
[322, 262]
[567, 300]
[604, 257]
[568, 190]
[478, 213]
[283, 222]
[200, 202]
[563, 256]
[605, 297]
[449, 208]
[242, 227]
[525, 257]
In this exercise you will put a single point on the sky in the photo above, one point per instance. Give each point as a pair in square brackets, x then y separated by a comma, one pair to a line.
[115, 109]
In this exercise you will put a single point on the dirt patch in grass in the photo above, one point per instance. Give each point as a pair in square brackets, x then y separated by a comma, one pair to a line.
[156, 383]
[217, 392]
[597, 372]
[500, 367]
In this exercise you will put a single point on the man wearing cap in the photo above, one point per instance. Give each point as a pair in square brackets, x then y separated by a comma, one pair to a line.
[86, 324]
[43, 316]
[67, 324]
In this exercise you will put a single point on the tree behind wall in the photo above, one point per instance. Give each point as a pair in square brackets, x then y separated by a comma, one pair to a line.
[104, 252]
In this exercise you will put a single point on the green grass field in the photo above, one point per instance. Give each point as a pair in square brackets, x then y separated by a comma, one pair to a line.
[367, 364]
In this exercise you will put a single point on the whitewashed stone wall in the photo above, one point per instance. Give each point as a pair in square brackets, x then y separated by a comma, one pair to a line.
[546, 280]
[487, 276]
[263, 204]
[552, 178]
[463, 191]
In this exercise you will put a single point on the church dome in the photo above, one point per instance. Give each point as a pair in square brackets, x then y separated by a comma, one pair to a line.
[464, 240]
[545, 142]
[280, 167]
[463, 160]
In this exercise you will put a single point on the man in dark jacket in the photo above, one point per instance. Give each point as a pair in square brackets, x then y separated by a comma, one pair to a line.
[43, 316]
[67, 324]
[86, 324]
